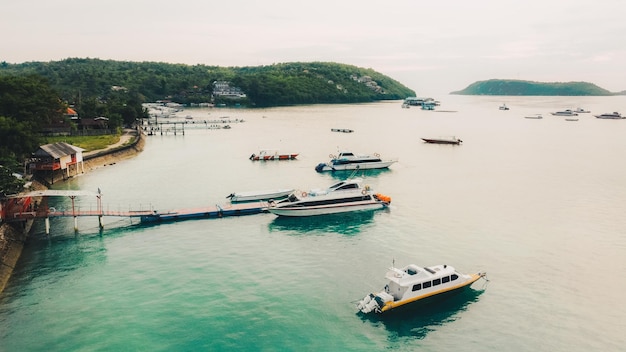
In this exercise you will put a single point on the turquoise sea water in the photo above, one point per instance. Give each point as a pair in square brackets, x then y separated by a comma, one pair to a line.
[538, 204]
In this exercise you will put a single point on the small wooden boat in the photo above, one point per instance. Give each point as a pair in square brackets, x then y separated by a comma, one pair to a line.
[344, 130]
[443, 140]
[267, 155]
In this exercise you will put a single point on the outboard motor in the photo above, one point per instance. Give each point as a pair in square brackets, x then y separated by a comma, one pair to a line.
[320, 167]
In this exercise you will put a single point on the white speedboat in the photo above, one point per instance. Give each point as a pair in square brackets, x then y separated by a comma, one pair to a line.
[615, 115]
[567, 112]
[350, 161]
[259, 195]
[344, 196]
[535, 116]
[582, 111]
[415, 101]
[413, 283]
[504, 107]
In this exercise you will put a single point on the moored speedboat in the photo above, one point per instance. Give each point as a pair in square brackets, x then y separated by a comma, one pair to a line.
[535, 116]
[415, 101]
[350, 161]
[615, 115]
[413, 283]
[567, 112]
[504, 107]
[344, 196]
[582, 111]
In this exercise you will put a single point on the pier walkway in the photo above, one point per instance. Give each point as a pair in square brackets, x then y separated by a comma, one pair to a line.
[23, 213]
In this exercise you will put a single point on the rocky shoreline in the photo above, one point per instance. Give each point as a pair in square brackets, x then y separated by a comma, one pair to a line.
[14, 236]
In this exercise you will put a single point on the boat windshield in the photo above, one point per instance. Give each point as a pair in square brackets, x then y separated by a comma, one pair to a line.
[348, 186]
[336, 185]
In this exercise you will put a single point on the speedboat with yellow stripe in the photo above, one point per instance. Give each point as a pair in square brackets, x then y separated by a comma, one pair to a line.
[413, 283]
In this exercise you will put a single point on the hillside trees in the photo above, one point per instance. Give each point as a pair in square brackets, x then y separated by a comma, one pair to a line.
[26, 104]
[79, 80]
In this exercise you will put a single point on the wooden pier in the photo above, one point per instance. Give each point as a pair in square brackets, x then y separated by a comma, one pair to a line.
[178, 127]
[145, 216]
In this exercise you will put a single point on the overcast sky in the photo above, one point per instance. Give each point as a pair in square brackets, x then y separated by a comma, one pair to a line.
[433, 47]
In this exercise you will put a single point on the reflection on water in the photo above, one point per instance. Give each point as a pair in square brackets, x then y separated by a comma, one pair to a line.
[344, 174]
[418, 319]
[344, 223]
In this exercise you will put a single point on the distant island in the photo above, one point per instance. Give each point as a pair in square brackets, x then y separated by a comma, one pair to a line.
[519, 88]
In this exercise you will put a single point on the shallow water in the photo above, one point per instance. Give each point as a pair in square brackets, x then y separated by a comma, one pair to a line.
[538, 204]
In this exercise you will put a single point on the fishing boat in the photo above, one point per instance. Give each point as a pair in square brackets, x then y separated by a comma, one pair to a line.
[270, 154]
[413, 283]
[345, 196]
[615, 116]
[443, 140]
[259, 195]
[346, 160]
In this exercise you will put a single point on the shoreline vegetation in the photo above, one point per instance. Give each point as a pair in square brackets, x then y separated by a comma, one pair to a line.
[14, 236]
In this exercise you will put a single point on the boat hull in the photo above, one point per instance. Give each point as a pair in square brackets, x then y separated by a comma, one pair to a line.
[441, 141]
[327, 209]
[610, 117]
[354, 166]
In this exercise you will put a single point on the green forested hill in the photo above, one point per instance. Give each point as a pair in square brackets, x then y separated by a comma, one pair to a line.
[516, 87]
[272, 85]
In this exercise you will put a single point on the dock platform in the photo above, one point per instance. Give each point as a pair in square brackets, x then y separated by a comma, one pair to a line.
[216, 211]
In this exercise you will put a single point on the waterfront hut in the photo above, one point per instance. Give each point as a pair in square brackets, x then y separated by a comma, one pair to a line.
[58, 158]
